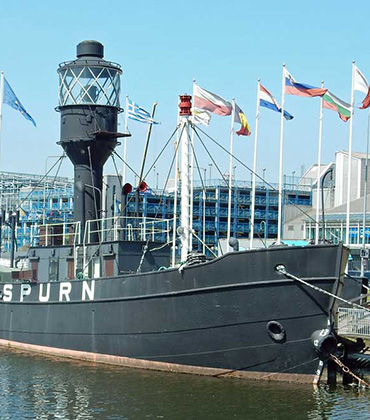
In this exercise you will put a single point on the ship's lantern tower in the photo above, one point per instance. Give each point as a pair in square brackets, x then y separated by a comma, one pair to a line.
[89, 91]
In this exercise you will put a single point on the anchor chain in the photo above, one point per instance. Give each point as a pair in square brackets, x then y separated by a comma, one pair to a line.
[347, 370]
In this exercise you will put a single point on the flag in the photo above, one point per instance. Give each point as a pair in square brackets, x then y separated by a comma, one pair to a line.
[240, 118]
[360, 83]
[211, 102]
[137, 113]
[200, 116]
[332, 102]
[300, 89]
[118, 206]
[11, 99]
[268, 101]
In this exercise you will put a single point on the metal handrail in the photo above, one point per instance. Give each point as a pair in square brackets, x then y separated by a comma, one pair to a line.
[64, 233]
[142, 228]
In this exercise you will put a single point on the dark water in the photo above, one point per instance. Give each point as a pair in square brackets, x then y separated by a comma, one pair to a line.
[35, 387]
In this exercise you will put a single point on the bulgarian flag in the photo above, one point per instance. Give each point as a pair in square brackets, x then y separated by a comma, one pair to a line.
[203, 99]
[332, 102]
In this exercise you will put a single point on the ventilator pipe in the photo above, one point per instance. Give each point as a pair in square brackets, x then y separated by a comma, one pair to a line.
[234, 243]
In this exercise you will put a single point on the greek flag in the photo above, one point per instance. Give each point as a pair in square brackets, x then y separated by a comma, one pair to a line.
[137, 113]
[11, 99]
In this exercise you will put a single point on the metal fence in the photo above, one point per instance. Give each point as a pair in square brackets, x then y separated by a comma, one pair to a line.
[354, 322]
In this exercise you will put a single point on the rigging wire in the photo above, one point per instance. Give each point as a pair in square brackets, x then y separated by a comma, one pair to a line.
[223, 177]
[113, 152]
[19, 207]
[56, 174]
[252, 172]
[145, 248]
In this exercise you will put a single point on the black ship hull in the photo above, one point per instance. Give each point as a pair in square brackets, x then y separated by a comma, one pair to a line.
[217, 317]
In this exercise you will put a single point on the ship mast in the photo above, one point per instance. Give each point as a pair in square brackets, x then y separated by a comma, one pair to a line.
[185, 228]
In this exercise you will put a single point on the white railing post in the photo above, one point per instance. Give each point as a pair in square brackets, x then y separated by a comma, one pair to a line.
[64, 233]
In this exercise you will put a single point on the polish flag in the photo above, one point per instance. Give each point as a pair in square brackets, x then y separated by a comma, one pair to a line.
[211, 102]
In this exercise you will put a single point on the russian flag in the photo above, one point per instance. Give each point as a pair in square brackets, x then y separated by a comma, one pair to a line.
[268, 101]
[300, 89]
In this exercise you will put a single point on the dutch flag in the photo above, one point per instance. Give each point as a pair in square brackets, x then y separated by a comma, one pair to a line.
[268, 101]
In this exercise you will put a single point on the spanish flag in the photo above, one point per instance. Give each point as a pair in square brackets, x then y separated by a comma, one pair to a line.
[241, 119]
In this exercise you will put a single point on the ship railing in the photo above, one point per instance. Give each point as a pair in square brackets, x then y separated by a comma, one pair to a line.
[353, 322]
[67, 233]
[127, 228]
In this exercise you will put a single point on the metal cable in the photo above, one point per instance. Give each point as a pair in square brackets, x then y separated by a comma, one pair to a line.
[19, 207]
[114, 222]
[252, 172]
[164, 187]
[224, 179]
[282, 270]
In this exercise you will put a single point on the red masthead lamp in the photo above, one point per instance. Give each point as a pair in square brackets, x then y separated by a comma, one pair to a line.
[143, 186]
[185, 105]
[126, 189]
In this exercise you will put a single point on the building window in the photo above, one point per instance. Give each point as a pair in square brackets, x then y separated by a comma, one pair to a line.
[290, 228]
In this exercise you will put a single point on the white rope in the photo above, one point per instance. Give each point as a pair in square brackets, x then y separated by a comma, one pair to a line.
[281, 269]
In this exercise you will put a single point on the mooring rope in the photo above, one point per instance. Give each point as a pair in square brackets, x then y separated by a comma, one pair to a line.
[282, 270]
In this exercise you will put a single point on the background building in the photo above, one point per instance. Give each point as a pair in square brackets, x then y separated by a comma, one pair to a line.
[50, 200]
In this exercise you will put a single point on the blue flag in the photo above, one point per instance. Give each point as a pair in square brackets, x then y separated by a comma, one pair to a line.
[137, 113]
[11, 100]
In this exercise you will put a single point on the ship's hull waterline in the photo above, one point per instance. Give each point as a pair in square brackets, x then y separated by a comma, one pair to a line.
[211, 318]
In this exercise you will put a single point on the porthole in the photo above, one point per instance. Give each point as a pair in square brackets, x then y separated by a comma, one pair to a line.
[276, 331]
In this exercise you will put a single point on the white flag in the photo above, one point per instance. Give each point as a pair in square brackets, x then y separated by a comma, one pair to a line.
[360, 82]
[200, 116]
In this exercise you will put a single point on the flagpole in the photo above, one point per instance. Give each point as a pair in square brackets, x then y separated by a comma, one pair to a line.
[143, 160]
[318, 189]
[350, 153]
[281, 158]
[125, 145]
[1, 104]
[191, 181]
[174, 231]
[254, 167]
[365, 197]
[230, 175]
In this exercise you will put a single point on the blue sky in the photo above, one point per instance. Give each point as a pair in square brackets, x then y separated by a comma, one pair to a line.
[163, 45]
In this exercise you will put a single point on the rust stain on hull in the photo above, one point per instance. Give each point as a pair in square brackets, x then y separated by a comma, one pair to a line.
[153, 365]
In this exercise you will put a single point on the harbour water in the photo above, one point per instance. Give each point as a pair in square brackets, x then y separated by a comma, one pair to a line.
[38, 387]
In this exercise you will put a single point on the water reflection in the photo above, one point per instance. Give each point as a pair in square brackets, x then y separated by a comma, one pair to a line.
[34, 387]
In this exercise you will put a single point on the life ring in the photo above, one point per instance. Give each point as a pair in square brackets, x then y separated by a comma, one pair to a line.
[276, 331]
